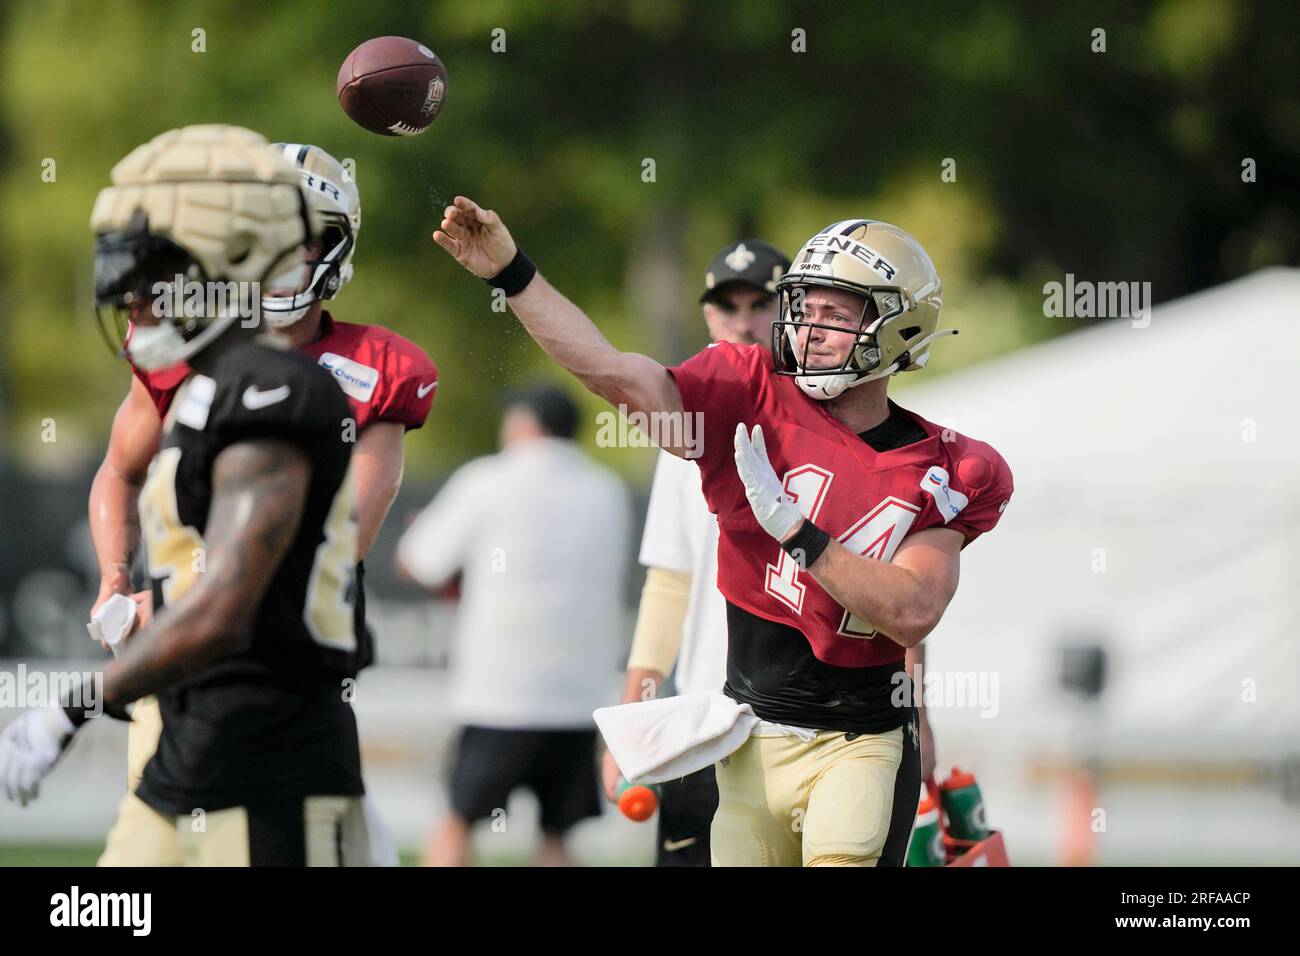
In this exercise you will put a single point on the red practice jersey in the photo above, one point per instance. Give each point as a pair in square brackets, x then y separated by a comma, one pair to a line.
[386, 378]
[869, 501]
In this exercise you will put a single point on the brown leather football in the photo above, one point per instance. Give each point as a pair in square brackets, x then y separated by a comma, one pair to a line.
[392, 86]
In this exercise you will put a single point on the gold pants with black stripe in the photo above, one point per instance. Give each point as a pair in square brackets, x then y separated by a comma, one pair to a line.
[141, 836]
[829, 801]
[307, 831]
[311, 831]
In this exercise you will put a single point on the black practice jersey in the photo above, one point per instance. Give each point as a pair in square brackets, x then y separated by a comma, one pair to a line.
[269, 720]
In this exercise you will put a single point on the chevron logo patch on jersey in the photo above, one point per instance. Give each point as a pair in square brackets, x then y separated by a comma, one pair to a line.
[949, 502]
[357, 381]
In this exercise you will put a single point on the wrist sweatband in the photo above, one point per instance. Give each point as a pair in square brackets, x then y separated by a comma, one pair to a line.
[807, 544]
[79, 713]
[515, 277]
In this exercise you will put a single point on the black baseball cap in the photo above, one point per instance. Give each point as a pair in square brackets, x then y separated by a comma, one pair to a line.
[750, 262]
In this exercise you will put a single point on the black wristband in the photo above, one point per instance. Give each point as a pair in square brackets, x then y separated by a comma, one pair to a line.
[76, 703]
[515, 277]
[78, 712]
[807, 544]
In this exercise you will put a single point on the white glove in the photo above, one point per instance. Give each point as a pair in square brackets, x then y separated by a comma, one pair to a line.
[29, 746]
[778, 515]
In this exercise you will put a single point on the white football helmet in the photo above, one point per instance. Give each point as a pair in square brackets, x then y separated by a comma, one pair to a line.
[900, 310]
[334, 197]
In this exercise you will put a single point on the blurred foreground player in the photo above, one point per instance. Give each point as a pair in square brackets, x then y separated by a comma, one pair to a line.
[248, 516]
[390, 385]
[841, 517]
[540, 534]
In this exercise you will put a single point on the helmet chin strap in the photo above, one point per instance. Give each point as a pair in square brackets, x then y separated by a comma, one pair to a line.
[283, 318]
[280, 312]
[824, 387]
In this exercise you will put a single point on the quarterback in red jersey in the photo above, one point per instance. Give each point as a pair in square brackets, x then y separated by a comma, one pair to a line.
[389, 383]
[870, 499]
[842, 518]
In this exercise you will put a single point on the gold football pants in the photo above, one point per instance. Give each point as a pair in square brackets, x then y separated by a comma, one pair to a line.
[828, 801]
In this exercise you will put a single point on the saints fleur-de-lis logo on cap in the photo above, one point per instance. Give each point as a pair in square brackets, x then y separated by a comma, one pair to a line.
[740, 258]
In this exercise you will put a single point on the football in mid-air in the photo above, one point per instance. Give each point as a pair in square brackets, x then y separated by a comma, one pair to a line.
[392, 86]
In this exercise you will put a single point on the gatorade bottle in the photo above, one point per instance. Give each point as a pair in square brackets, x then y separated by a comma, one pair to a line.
[964, 806]
[637, 801]
[926, 848]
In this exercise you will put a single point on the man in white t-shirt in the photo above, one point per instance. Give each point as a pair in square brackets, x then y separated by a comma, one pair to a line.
[681, 623]
[539, 533]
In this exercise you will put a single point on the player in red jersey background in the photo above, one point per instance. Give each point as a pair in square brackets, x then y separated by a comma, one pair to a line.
[389, 383]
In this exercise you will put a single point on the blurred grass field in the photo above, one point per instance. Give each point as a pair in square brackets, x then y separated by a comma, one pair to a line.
[81, 854]
[49, 854]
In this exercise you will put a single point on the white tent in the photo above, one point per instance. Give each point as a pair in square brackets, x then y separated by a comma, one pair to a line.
[1156, 510]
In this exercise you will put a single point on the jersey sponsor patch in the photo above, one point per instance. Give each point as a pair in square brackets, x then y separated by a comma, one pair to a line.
[357, 381]
[194, 407]
[948, 501]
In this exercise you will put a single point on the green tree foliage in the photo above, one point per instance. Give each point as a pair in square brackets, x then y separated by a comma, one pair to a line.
[1116, 165]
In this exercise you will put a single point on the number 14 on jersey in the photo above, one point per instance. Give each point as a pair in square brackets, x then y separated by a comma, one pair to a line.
[876, 534]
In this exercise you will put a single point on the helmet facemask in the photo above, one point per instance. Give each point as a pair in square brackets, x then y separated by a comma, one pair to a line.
[140, 274]
[328, 274]
[137, 274]
[900, 294]
[880, 305]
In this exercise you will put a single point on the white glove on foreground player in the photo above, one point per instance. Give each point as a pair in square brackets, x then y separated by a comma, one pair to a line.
[778, 515]
[29, 746]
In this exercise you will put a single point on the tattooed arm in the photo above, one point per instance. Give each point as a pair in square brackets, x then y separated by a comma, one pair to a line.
[258, 489]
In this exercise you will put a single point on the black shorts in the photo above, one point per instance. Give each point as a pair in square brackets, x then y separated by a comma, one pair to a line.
[686, 809]
[558, 766]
